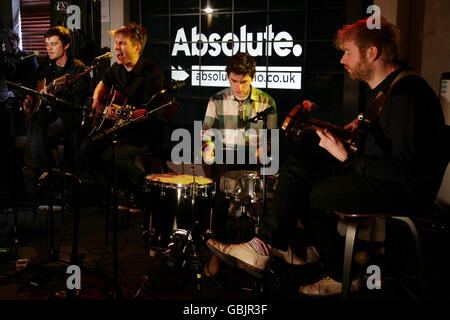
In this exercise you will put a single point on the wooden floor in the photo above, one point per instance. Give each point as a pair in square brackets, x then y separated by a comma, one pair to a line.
[140, 277]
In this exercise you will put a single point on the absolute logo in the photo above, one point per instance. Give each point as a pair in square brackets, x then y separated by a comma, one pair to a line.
[264, 43]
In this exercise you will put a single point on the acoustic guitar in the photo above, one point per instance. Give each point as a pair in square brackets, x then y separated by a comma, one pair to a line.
[51, 89]
[113, 111]
[300, 119]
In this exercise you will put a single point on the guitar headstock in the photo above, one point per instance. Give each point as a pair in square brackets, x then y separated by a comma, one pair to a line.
[297, 120]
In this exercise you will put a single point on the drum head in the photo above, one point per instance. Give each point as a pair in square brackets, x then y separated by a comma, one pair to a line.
[178, 180]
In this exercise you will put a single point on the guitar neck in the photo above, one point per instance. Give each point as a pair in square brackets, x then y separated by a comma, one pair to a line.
[339, 131]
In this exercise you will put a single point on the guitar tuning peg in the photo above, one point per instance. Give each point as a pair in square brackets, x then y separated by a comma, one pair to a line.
[307, 104]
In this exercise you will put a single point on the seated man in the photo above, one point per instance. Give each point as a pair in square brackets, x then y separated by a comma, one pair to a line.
[399, 168]
[228, 113]
[50, 120]
[137, 79]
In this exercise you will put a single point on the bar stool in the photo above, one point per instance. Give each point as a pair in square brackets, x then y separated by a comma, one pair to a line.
[352, 221]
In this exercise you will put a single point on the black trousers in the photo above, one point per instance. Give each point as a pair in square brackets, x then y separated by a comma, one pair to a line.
[313, 183]
[95, 158]
[43, 131]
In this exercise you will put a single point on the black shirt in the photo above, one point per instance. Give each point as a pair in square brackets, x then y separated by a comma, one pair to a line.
[139, 84]
[404, 144]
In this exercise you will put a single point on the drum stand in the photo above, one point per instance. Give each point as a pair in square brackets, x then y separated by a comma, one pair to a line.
[184, 242]
[261, 116]
[117, 292]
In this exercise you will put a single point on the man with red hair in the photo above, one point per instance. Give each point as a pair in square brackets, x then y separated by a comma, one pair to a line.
[398, 169]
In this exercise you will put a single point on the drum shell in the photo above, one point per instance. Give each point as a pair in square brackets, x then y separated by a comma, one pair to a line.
[179, 206]
[246, 186]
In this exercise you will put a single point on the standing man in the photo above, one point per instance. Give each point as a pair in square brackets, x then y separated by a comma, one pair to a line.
[12, 118]
[399, 169]
[227, 111]
[24, 66]
[49, 120]
[138, 79]
[25, 63]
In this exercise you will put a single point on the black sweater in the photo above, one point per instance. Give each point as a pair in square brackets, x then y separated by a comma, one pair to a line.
[405, 144]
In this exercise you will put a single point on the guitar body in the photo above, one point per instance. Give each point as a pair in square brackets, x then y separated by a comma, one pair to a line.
[300, 119]
[112, 98]
[51, 88]
[113, 111]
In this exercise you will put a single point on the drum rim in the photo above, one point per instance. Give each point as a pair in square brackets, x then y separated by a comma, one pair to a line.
[172, 185]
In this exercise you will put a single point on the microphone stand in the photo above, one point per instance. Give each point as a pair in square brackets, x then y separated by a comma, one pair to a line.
[113, 134]
[261, 116]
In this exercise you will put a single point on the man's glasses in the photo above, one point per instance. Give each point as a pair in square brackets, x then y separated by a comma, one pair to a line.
[135, 30]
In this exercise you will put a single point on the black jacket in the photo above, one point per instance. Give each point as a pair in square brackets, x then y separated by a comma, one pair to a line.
[405, 145]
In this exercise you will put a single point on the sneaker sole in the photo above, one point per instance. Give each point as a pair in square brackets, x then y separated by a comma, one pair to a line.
[235, 262]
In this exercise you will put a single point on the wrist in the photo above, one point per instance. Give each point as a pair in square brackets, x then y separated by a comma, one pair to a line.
[347, 158]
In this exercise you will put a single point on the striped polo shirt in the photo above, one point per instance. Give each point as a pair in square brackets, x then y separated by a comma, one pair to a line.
[227, 114]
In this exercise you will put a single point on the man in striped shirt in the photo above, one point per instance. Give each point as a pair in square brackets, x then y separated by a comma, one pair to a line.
[229, 112]
[230, 109]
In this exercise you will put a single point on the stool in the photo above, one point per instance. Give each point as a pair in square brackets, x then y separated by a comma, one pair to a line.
[352, 220]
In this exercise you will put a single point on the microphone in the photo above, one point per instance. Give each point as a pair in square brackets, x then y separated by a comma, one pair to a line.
[34, 54]
[173, 86]
[107, 55]
[260, 115]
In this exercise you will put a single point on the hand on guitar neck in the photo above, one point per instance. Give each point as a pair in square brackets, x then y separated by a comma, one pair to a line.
[300, 119]
[32, 104]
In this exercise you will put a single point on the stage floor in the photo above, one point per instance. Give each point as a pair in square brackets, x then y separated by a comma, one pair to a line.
[142, 277]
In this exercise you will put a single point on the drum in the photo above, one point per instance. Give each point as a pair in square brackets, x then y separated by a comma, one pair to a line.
[179, 202]
[246, 186]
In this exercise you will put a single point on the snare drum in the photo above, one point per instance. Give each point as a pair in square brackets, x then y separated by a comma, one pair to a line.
[246, 186]
[179, 201]
[240, 185]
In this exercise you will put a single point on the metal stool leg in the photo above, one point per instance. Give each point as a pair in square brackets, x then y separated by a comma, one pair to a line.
[415, 235]
[352, 227]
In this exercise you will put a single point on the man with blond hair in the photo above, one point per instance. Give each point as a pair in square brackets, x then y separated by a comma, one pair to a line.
[138, 79]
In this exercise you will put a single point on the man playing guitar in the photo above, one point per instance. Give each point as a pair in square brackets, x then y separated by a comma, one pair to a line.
[398, 169]
[49, 121]
[136, 80]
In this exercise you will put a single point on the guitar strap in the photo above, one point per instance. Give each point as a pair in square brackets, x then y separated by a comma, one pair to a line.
[377, 105]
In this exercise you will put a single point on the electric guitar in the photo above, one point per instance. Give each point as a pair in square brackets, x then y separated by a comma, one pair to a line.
[300, 119]
[51, 88]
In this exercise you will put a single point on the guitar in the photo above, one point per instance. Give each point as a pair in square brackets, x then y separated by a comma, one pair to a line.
[50, 88]
[114, 108]
[300, 119]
